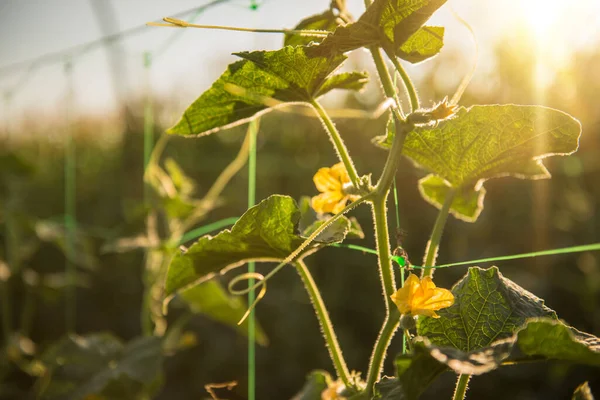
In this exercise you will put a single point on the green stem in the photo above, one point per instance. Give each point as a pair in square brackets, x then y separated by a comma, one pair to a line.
[436, 235]
[70, 211]
[386, 81]
[408, 84]
[392, 318]
[461, 387]
[333, 346]
[338, 142]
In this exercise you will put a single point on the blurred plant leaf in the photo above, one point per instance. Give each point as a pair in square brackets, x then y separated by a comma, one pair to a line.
[316, 383]
[583, 392]
[291, 74]
[211, 299]
[554, 340]
[84, 254]
[484, 142]
[266, 232]
[414, 373]
[467, 203]
[388, 24]
[14, 165]
[424, 44]
[99, 364]
[487, 308]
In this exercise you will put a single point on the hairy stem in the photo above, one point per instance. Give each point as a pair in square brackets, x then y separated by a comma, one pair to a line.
[386, 272]
[333, 346]
[436, 235]
[386, 81]
[337, 141]
[408, 84]
[461, 387]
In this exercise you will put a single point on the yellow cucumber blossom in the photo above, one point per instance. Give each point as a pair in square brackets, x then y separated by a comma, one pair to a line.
[422, 297]
[331, 182]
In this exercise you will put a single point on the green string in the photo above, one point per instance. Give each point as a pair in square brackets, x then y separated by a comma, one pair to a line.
[70, 208]
[252, 130]
[397, 209]
[402, 262]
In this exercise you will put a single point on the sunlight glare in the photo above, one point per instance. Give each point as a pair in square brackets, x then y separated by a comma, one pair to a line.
[541, 15]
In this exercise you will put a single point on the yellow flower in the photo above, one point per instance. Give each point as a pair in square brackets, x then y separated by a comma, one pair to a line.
[330, 182]
[422, 297]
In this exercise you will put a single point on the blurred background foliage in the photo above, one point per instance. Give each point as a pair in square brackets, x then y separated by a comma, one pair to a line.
[519, 216]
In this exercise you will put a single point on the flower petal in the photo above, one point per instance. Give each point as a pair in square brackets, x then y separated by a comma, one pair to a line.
[327, 181]
[326, 202]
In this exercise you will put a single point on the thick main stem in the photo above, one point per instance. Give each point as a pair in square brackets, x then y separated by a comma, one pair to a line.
[386, 271]
[436, 235]
[333, 346]
[461, 387]
[337, 141]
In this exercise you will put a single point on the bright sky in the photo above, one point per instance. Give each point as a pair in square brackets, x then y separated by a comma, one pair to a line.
[29, 28]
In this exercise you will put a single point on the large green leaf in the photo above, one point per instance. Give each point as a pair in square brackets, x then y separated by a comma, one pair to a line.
[211, 299]
[101, 364]
[292, 74]
[483, 142]
[388, 24]
[266, 232]
[487, 308]
[554, 340]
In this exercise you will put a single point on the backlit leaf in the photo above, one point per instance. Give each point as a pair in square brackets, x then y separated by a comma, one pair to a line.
[484, 142]
[424, 44]
[388, 24]
[266, 232]
[555, 340]
[292, 74]
[316, 383]
[488, 307]
[467, 203]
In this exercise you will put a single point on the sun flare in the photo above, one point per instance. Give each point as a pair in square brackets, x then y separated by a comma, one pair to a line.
[541, 15]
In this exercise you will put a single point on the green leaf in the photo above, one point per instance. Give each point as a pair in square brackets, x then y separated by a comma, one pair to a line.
[424, 44]
[487, 308]
[84, 365]
[474, 362]
[211, 299]
[326, 21]
[266, 232]
[467, 203]
[292, 74]
[484, 142]
[414, 373]
[583, 392]
[386, 23]
[555, 340]
[316, 383]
